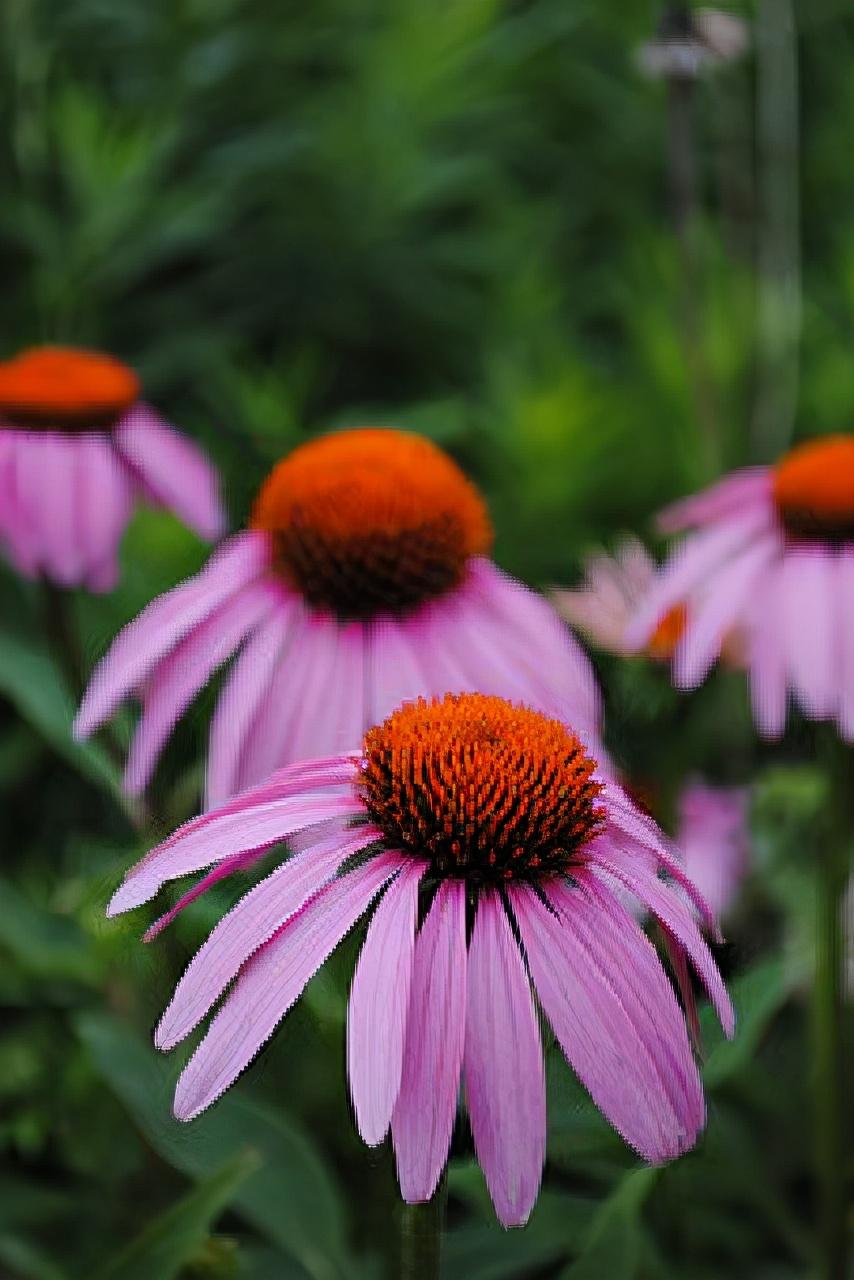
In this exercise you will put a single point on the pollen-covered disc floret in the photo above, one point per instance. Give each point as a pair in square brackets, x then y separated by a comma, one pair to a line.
[371, 521]
[813, 489]
[65, 389]
[488, 791]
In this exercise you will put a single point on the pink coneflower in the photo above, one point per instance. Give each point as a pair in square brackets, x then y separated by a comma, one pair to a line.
[500, 849]
[363, 580]
[77, 449]
[773, 556]
[713, 838]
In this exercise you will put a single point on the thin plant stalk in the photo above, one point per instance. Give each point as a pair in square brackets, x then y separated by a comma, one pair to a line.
[421, 1228]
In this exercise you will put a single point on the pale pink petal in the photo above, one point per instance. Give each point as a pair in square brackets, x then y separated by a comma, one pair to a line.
[142, 643]
[182, 673]
[613, 1011]
[228, 867]
[503, 1066]
[17, 526]
[273, 980]
[106, 502]
[246, 690]
[712, 834]
[691, 566]
[767, 658]
[808, 617]
[845, 605]
[379, 1001]
[719, 609]
[30, 494]
[248, 925]
[396, 674]
[59, 501]
[750, 487]
[173, 469]
[231, 833]
[313, 725]
[424, 1114]
[663, 901]
[614, 588]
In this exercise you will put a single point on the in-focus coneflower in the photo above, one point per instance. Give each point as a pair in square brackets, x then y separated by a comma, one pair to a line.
[363, 580]
[773, 558]
[500, 853]
[77, 449]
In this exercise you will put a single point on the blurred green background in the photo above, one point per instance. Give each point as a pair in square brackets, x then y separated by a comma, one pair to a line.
[457, 217]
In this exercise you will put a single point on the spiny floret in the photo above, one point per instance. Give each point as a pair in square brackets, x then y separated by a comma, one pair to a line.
[813, 488]
[486, 790]
[65, 388]
[371, 521]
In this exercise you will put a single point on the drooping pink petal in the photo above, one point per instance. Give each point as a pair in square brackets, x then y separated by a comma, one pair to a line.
[143, 642]
[59, 499]
[719, 610]
[379, 1001]
[396, 674]
[228, 867]
[665, 903]
[313, 724]
[14, 528]
[227, 834]
[767, 658]
[273, 979]
[183, 672]
[808, 617]
[250, 923]
[735, 493]
[503, 1066]
[713, 836]
[173, 470]
[106, 501]
[423, 1118]
[615, 1015]
[245, 691]
[30, 494]
[690, 567]
[845, 606]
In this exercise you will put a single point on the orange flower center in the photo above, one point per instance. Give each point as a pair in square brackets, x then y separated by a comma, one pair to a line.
[668, 633]
[65, 389]
[486, 790]
[371, 521]
[813, 488]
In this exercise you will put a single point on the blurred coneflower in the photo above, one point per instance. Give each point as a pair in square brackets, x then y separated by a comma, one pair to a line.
[772, 556]
[363, 580]
[500, 851]
[78, 448]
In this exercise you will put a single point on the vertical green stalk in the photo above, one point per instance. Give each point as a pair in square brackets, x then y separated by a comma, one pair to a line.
[62, 635]
[829, 1070]
[421, 1227]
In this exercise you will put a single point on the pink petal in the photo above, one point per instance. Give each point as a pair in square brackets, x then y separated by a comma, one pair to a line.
[273, 980]
[845, 597]
[808, 616]
[768, 677]
[314, 721]
[379, 1000]
[247, 689]
[396, 674]
[173, 470]
[264, 824]
[424, 1114]
[105, 504]
[142, 643]
[713, 836]
[723, 605]
[503, 1066]
[228, 867]
[734, 494]
[691, 566]
[664, 901]
[247, 926]
[610, 1005]
[59, 499]
[15, 527]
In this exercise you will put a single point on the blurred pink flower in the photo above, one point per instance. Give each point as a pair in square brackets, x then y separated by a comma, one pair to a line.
[77, 449]
[713, 838]
[362, 581]
[490, 824]
[773, 557]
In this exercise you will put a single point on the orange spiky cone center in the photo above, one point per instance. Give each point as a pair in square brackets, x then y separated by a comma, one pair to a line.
[65, 389]
[668, 633]
[371, 521]
[486, 790]
[813, 489]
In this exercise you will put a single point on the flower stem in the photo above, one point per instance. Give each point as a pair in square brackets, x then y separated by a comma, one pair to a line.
[829, 1077]
[421, 1228]
[62, 635]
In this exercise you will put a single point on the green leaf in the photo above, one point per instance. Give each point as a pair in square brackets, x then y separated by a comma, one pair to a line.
[31, 682]
[43, 943]
[758, 995]
[172, 1240]
[614, 1246]
[292, 1198]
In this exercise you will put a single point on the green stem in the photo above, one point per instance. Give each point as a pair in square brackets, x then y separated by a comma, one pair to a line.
[62, 635]
[829, 1075]
[421, 1236]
